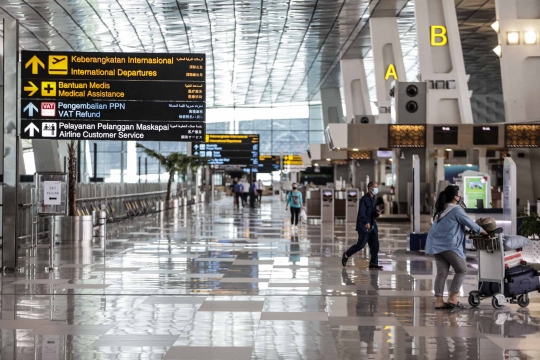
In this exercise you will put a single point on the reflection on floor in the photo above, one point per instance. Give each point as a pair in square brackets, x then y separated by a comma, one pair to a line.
[218, 283]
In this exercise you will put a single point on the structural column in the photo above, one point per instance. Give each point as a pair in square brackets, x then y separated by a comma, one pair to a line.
[11, 125]
[519, 26]
[388, 62]
[441, 62]
[440, 166]
[355, 89]
[331, 106]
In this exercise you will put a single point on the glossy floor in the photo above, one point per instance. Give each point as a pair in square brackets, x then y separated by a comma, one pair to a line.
[219, 283]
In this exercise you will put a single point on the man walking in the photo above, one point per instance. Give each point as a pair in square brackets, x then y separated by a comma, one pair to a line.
[238, 189]
[260, 189]
[366, 226]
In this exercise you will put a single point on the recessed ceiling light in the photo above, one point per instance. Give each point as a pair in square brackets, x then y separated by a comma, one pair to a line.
[530, 38]
[448, 149]
[328, 159]
[355, 149]
[512, 37]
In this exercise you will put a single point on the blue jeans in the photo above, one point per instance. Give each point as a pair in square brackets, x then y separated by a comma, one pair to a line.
[372, 239]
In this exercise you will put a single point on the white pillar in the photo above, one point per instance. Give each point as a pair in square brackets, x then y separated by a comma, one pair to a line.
[355, 88]
[483, 161]
[382, 169]
[440, 166]
[388, 62]
[441, 59]
[331, 106]
[520, 63]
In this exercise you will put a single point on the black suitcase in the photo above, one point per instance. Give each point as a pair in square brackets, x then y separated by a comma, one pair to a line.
[520, 280]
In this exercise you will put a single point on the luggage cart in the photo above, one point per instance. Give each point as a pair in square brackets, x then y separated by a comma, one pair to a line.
[491, 269]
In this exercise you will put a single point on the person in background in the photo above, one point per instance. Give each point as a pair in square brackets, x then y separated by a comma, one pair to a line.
[252, 194]
[366, 226]
[260, 189]
[245, 192]
[233, 188]
[295, 203]
[238, 189]
[446, 241]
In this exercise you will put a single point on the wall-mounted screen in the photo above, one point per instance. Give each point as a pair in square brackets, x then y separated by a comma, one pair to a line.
[445, 135]
[486, 135]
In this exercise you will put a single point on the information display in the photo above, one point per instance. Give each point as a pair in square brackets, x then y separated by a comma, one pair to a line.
[445, 135]
[225, 149]
[269, 163]
[475, 188]
[101, 89]
[486, 135]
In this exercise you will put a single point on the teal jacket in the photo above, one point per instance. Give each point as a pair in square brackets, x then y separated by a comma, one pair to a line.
[448, 232]
[292, 196]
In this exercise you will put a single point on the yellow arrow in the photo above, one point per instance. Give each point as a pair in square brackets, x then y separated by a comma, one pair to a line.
[36, 63]
[32, 88]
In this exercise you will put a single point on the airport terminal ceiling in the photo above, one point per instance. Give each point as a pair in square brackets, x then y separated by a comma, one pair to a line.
[258, 52]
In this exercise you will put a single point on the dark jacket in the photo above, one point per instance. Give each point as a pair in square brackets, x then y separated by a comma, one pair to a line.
[367, 212]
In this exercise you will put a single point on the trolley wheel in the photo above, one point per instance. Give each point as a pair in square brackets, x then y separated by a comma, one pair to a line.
[474, 299]
[496, 304]
[523, 300]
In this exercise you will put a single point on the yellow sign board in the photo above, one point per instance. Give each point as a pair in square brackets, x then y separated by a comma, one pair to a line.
[391, 71]
[292, 160]
[438, 35]
[48, 88]
[58, 64]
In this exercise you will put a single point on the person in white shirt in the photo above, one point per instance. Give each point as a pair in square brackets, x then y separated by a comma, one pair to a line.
[245, 192]
[260, 189]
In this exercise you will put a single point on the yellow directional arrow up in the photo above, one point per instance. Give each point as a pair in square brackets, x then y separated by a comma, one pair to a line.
[36, 63]
[32, 88]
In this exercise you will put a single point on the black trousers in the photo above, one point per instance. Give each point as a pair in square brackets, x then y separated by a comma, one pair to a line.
[252, 199]
[372, 239]
[295, 213]
[239, 199]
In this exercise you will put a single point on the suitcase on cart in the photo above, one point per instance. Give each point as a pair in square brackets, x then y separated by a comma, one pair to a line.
[520, 280]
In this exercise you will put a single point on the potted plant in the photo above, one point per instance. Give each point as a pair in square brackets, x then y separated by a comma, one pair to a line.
[73, 227]
[173, 163]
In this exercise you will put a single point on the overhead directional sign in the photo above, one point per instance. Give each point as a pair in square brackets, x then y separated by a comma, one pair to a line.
[105, 89]
[113, 66]
[226, 149]
[113, 130]
[114, 110]
[269, 163]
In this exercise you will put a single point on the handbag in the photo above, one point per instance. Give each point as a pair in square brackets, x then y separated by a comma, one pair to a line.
[303, 215]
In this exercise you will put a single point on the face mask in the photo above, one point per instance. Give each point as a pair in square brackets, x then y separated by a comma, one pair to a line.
[375, 191]
[461, 203]
[294, 188]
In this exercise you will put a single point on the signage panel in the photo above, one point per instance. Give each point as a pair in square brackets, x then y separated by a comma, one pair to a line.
[114, 90]
[113, 96]
[225, 149]
[113, 110]
[113, 66]
[269, 163]
[113, 130]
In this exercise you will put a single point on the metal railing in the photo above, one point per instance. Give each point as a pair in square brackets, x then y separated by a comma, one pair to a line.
[121, 201]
